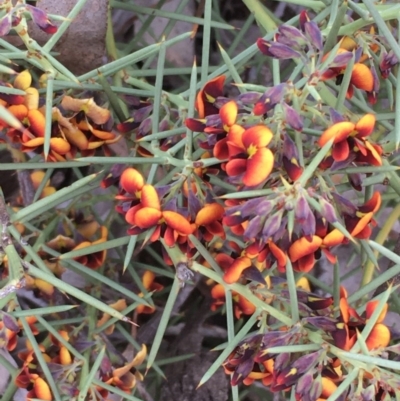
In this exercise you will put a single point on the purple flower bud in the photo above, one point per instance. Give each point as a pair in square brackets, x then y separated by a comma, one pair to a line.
[248, 98]
[82, 345]
[302, 209]
[144, 127]
[220, 101]
[308, 227]
[164, 125]
[105, 365]
[325, 323]
[256, 206]
[263, 46]
[304, 383]
[56, 369]
[344, 204]
[281, 361]
[289, 148]
[5, 25]
[253, 274]
[306, 362]
[214, 120]
[336, 117]
[343, 164]
[341, 60]
[357, 54]
[291, 36]
[10, 322]
[303, 19]
[41, 19]
[313, 34]
[162, 190]
[133, 100]
[242, 371]
[282, 231]
[253, 228]
[376, 78]
[316, 388]
[327, 210]
[194, 203]
[269, 99]
[142, 113]
[282, 52]
[272, 225]
[292, 117]
[388, 60]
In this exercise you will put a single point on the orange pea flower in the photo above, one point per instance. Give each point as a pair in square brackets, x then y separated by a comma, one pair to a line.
[96, 259]
[358, 224]
[350, 140]
[149, 215]
[126, 376]
[150, 285]
[207, 95]
[249, 155]
[345, 334]
[208, 221]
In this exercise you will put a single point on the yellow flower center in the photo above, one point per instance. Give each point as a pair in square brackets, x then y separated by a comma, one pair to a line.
[252, 150]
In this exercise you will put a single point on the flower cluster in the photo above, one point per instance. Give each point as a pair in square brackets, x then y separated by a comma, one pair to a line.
[317, 374]
[263, 195]
[64, 367]
[77, 125]
[252, 188]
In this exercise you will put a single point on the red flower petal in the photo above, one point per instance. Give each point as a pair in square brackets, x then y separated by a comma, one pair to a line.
[37, 122]
[131, 180]
[235, 136]
[207, 95]
[234, 271]
[338, 131]
[195, 125]
[361, 224]
[303, 247]
[372, 205]
[362, 77]
[221, 149]
[147, 217]
[379, 337]
[149, 197]
[19, 111]
[218, 291]
[365, 125]
[373, 156]
[335, 237]
[236, 166]
[224, 261]
[340, 151]
[258, 167]
[280, 256]
[259, 136]
[328, 388]
[33, 143]
[209, 213]
[370, 308]
[228, 113]
[130, 214]
[304, 264]
[177, 222]
[42, 389]
[60, 145]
